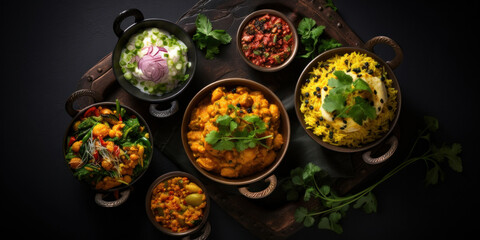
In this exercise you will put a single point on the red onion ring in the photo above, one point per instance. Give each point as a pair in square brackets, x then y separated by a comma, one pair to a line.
[152, 65]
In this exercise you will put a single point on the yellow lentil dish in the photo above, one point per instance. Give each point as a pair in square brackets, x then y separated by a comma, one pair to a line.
[178, 204]
[234, 132]
[348, 100]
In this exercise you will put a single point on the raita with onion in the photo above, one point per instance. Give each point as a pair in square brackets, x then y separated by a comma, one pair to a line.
[154, 61]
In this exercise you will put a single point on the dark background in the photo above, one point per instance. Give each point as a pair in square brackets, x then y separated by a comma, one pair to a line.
[48, 45]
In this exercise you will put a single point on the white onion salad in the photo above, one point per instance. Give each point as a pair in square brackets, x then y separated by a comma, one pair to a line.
[154, 61]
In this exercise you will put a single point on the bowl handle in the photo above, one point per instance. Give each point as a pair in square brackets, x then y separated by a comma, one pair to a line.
[261, 194]
[164, 113]
[76, 95]
[205, 233]
[124, 196]
[393, 141]
[390, 42]
[127, 13]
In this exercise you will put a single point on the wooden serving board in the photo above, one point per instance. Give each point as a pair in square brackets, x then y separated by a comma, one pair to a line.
[272, 217]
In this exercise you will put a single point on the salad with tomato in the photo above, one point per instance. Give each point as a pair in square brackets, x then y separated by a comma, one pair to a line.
[106, 147]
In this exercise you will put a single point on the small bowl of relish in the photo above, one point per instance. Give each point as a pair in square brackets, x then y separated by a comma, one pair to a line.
[267, 40]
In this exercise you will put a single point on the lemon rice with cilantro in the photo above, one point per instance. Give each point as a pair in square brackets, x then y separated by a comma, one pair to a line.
[348, 100]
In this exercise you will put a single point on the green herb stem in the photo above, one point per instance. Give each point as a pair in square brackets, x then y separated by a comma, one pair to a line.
[246, 138]
[427, 157]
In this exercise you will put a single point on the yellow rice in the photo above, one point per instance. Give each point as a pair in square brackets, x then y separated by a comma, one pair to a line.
[371, 129]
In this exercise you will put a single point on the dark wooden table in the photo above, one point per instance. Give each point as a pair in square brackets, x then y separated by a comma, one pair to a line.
[52, 44]
[274, 216]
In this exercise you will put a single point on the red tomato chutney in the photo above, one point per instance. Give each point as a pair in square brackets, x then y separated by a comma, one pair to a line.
[267, 41]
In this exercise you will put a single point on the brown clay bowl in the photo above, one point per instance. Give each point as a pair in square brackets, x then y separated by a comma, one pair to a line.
[389, 66]
[260, 13]
[203, 227]
[284, 129]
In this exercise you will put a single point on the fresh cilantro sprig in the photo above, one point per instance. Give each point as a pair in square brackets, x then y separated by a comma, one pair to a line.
[336, 99]
[230, 135]
[330, 4]
[310, 37]
[315, 182]
[206, 37]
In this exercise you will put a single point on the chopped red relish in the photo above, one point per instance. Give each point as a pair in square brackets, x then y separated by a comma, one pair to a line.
[267, 41]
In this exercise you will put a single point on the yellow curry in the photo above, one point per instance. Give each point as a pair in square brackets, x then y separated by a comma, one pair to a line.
[234, 132]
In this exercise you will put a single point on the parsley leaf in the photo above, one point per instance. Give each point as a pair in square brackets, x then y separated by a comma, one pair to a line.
[206, 37]
[327, 44]
[360, 84]
[334, 102]
[314, 182]
[341, 85]
[212, 137]
[203, 24]
[367, 202]
[360, 111]
[336, 99]
[229, 136]
[310, 36]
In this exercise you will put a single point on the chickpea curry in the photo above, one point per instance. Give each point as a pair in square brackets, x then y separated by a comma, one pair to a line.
[234, 132]
[178, 204]
[106, 148]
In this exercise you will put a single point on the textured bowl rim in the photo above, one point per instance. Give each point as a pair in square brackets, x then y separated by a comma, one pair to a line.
[292, 29]
[252, 85]
[305, 74]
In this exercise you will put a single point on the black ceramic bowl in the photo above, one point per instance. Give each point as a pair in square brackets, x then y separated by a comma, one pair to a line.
[139, 25]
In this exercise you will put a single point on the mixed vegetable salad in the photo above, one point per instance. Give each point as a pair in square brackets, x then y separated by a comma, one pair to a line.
[107, 147]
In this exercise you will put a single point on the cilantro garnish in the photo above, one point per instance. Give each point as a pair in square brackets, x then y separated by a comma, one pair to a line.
[230, 135]
[314, 182]
[206, 37]
[310, 36]
[336, 99]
